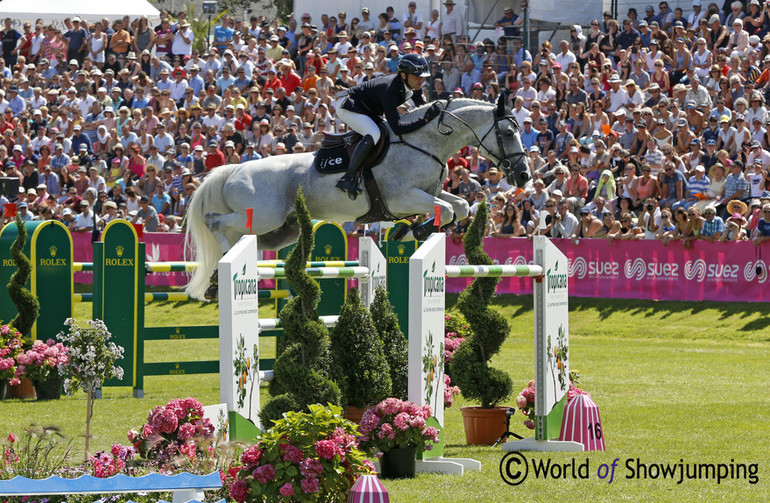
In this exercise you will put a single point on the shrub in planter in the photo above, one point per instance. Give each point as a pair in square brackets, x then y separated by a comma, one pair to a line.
[302, 367]
[470, 369]
[26, 303]
[360, 367]
[305, 456]
[393, 341]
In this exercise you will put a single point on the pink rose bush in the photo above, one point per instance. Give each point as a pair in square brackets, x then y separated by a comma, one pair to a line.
[106, 464]
[450, 392]
[174, 433]
[11, 346]
[397, 423]
[44, 361]
[305, 456]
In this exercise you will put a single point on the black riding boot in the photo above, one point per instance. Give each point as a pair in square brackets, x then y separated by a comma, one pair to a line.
[348, 182]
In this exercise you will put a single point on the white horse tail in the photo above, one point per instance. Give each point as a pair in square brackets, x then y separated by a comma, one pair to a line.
[200, 242]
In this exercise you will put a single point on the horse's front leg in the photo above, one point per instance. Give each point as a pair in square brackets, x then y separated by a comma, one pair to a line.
[416, 201]
[459, 205]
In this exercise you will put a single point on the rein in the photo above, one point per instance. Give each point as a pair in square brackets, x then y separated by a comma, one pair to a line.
[506, 159]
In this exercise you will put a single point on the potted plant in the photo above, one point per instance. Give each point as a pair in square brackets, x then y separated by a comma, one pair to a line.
[305, 456]
[395, 431]
[393, 341]
[26, 303]
[11, 346]
[360, 368]
[44, 365]
[470, 368]
[302, 365]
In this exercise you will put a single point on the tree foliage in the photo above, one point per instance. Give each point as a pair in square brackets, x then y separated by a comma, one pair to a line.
[394, 343]
[470, 368]
[26, 304]
[360, 366]
[302, 367]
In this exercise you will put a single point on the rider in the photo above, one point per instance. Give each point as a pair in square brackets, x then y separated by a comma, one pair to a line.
[358, 106]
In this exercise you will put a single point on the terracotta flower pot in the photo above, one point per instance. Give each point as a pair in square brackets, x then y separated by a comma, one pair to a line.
[354, 414]
[483, 426]
[24, 390]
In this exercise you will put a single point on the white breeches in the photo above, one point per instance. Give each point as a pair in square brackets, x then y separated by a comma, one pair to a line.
[360, 123]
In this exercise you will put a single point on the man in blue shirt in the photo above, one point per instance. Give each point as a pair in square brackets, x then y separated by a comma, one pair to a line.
[223, 34]
[528, 134]
[225, 80]
[519, 53]
[15, 102]
[713, 227]
[628, 35]
[509, 23]
[77, 39]
[78, 138]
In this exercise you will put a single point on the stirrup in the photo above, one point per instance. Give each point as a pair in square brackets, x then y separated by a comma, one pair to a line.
[349, 185]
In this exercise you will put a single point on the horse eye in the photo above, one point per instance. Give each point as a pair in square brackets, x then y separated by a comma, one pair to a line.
[508, 132]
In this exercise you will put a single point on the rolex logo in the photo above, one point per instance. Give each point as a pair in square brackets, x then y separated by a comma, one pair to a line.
[328, 249]
[401, 249]
[119, 251]
[177, 329]
[52, 250]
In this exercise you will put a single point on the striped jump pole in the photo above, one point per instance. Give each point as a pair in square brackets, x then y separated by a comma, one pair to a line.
[315, 263]
[170, 266]
[316, 272]
[82, 266]
[497, 271]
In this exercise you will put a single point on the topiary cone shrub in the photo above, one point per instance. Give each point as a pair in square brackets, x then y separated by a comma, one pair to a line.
[360, 367]
[303, 364]
[470, 368]
[26, 304]
[394, 342]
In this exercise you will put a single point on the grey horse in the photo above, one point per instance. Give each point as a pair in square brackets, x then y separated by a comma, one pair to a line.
[410, 179]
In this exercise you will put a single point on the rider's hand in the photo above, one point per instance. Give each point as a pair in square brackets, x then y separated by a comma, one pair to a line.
[432, 112]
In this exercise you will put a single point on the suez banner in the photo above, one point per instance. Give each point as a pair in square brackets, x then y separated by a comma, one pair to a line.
[733, 272]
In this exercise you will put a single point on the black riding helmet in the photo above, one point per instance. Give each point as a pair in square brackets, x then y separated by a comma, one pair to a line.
[414, 64]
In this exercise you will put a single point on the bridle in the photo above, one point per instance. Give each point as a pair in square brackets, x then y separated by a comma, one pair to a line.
[506, 159]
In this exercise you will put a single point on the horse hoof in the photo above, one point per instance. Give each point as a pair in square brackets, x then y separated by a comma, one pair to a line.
[211, 292]
[353, 195]
[214, 279]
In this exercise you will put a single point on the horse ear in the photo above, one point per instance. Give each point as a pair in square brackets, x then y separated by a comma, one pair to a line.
[500, 112]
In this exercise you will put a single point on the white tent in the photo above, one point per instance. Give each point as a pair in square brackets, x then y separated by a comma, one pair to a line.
[55, 11]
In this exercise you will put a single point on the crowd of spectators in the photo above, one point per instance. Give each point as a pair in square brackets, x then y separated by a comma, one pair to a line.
[649, 126]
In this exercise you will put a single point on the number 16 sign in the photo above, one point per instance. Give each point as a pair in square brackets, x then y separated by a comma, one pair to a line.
[582, 423]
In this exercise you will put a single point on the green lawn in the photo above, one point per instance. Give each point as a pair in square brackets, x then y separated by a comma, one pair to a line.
[673, 381]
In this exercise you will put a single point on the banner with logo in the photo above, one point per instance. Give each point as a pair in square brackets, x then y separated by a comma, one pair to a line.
[239, 330]
[723, 272]
[427, 280]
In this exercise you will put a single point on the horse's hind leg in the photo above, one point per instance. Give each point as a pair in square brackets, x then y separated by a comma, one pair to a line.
[283, 236]
[226, 227]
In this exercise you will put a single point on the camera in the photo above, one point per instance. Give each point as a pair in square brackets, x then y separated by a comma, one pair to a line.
[210, 7]
[648, 207]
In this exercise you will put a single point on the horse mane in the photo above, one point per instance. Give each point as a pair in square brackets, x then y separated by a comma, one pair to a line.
[450, 104]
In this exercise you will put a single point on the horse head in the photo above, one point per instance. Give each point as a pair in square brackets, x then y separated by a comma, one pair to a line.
[512, 158]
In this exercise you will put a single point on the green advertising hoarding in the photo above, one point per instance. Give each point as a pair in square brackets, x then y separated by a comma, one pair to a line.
[49, 248]
[120, 270]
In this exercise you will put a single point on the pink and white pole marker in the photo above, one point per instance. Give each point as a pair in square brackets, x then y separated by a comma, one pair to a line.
[368, 489]
[582, 423]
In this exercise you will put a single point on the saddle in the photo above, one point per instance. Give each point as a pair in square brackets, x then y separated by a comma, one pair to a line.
[333, 157]
[335, 151]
